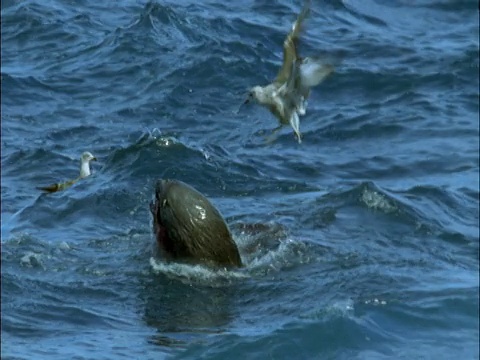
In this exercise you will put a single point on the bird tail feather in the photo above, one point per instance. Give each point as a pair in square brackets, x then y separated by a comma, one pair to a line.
[295, 123]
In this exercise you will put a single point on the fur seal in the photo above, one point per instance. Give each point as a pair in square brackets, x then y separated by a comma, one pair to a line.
[189, 228]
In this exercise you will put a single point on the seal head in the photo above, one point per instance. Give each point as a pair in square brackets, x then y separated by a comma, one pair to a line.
[188, 227]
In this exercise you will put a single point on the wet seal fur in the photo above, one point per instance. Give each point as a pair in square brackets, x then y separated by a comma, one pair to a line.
[189, 228]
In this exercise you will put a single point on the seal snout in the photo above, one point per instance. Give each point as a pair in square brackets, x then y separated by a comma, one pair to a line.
[159, 194]
[160, 189]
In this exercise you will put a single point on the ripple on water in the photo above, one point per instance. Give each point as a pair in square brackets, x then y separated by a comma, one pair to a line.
[357, 244]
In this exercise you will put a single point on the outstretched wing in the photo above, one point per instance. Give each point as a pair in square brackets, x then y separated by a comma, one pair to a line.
[290, 84]
[313, 71]
[290, 45]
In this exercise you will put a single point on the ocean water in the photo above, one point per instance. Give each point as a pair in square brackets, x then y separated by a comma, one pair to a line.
[360, 243]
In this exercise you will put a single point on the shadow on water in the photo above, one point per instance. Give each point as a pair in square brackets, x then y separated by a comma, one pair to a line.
[178, 310]
[185, 302]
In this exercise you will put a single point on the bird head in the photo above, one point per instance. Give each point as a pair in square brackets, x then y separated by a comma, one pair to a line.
[87, 156]
[255, 93]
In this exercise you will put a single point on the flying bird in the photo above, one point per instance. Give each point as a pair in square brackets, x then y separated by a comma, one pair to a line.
[286, 97]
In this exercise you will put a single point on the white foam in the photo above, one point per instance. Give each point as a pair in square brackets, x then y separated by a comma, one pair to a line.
[196, 273]
[375, 302]
[339, 308]
[377, 201]
[31, 259]
[288, 254]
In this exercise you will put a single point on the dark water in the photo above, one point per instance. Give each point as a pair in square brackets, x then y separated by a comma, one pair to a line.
[365, 237]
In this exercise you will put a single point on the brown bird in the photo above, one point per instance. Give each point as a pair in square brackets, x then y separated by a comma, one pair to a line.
[286, 97]
[84, 172]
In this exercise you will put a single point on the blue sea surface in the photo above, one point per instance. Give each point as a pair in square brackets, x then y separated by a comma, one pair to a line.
[360, 243]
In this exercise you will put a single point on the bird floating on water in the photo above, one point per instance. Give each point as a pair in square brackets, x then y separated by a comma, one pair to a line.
[286, 97]
[84, 172]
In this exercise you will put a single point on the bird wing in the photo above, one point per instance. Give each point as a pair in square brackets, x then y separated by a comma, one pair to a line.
[50, 188]
[313, 71]
[59, 186]
[290, 46]
[290, 86]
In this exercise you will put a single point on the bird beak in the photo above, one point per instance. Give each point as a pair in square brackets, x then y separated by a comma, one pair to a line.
[242, 104]
[94, 159]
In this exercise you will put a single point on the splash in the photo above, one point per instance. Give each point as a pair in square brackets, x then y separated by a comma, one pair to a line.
[196, 273]
[288, 254]
[155, 136]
